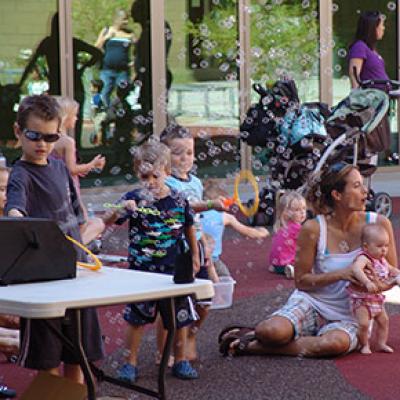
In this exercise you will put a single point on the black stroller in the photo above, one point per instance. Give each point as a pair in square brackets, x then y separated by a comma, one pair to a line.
[301, 138]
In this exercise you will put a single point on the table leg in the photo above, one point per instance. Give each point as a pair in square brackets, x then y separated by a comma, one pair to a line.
[76, 313]
[169, 319]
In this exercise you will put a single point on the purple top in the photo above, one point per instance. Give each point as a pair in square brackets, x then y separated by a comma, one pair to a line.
[373, 66]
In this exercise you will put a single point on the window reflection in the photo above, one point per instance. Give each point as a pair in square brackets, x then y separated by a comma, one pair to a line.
[24, 68]
[204, 93]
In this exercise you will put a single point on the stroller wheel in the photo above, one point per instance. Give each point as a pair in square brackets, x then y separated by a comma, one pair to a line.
[382, 204]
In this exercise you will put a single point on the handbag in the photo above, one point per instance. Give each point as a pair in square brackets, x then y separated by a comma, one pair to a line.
[183, 264]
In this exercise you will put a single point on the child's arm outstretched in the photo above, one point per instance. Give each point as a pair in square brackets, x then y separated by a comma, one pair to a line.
[360, 263]
[216, 204]
[249, 231]
[80, 169]
[110, 217]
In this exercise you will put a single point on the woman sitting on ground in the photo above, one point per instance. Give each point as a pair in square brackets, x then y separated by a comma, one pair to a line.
[316, 320]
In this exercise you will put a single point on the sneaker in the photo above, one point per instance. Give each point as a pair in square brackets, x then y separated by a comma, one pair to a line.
[289, 271]
[183, 370]
[128, 373]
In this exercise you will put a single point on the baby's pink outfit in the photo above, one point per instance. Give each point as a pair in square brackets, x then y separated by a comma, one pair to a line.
[283, 248]
[373, 302]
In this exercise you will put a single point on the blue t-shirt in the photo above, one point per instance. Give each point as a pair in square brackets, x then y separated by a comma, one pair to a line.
[192, 191]
[155, 230]
[212, 222]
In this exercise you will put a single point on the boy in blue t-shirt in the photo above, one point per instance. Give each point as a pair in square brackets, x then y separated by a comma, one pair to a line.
[158, 219]
[181, 144]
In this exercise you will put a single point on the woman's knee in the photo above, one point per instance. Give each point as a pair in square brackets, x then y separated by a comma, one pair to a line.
[276, 330]
[336, 344]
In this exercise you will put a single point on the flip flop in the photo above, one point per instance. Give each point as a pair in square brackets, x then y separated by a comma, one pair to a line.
[231, 328]
[233, 335]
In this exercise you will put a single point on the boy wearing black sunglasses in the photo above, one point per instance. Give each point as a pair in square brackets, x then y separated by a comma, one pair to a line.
[42, 187]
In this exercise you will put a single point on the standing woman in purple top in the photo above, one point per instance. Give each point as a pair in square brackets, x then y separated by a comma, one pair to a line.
[364, 57]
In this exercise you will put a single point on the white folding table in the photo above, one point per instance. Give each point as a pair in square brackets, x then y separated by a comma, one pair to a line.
[101, 288]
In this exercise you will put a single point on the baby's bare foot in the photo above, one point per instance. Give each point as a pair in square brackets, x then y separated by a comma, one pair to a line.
[365, 350]
[385, 348]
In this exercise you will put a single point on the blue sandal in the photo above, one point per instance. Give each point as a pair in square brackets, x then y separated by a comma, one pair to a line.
[128, 373]
[183, 370]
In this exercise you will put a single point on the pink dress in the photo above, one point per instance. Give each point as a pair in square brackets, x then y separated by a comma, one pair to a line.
[283, 249]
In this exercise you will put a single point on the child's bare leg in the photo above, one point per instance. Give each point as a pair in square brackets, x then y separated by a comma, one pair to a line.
[191, 348]
[133, 338]
[382, 322]
[161, 335]
[362, 316]
[180, 343]
[74, 372]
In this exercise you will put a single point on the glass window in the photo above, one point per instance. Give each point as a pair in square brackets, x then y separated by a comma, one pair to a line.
[345, 18]
[29, 60]
[284, 44]
[202, 79]
[112, 82]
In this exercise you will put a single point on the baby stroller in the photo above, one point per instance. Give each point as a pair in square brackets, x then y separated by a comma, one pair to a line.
[301, 139]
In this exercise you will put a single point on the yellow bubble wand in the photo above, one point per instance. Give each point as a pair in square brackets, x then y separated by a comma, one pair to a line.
[247, 176]
[97, 263]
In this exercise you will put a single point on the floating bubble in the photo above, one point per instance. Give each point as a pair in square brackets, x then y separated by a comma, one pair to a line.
[224, 67]
[203, 64]
[202, 156]
[226, 146]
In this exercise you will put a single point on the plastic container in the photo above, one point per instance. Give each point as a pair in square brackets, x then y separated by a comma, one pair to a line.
[223, 293]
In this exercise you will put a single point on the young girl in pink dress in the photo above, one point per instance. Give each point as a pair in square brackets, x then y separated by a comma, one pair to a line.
[291, 214]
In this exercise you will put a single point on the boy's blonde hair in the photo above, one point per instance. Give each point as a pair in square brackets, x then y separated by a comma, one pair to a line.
[285, 202]
[154, 154]
[66, 106]
[174, 131]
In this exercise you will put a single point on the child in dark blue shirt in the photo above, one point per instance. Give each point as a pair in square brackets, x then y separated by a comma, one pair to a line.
[159, 219]
[42, 187]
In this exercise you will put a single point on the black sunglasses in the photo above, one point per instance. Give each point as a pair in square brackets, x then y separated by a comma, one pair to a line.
[37, 136]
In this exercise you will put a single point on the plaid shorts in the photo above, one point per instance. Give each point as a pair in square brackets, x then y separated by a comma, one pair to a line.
[307, 321]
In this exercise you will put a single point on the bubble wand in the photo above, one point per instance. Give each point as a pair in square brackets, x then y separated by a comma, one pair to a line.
[244, 175]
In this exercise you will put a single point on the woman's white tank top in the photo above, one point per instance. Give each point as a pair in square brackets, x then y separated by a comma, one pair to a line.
[332, 301]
